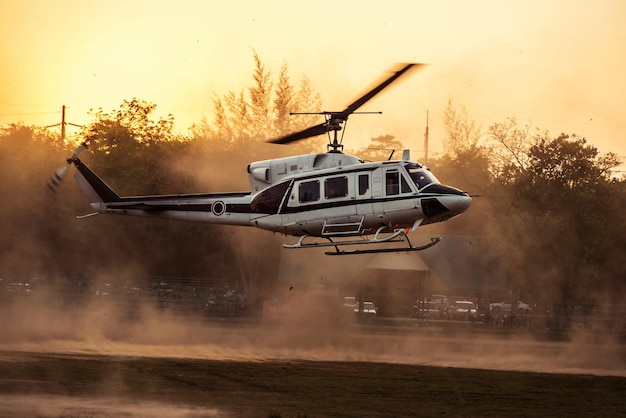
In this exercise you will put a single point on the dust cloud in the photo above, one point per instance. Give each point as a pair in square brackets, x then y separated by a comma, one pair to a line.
[300, 326]
[296, 325]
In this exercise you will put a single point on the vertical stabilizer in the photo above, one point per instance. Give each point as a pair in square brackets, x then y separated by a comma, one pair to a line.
[96, 190]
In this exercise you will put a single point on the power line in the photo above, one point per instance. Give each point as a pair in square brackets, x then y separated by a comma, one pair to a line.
[28, 113]
[63, 124]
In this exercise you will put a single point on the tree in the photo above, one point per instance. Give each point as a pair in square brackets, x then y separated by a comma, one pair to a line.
[381, 148]
[290, 99]
[284, 102]
[568, 162]
[261, 114]
[260, 100]
[122, 138]
[541, 202]
[556, 240]
[135, 154]
[466, 162]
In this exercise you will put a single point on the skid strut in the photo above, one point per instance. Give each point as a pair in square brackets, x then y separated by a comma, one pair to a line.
[398, 235]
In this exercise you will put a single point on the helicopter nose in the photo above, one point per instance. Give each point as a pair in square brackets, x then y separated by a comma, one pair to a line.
[456, 204]
[448, 203]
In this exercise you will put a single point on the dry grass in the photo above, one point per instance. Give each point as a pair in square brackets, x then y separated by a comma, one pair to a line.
[56, 385]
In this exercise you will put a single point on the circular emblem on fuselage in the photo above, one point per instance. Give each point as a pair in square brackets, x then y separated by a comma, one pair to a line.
[218, 208]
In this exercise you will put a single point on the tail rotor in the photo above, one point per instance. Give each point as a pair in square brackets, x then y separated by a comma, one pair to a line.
[59, 175]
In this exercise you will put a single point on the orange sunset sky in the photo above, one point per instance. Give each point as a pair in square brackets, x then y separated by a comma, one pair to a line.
[553, 65]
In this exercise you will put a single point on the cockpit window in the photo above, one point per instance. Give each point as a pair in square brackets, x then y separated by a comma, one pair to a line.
[404, 185]
[421, 176]
[396, 183]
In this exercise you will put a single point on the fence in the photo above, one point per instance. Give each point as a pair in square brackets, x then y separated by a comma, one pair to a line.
[202, 296]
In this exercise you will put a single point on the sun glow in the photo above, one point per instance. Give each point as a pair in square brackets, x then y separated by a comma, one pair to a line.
[538, 62]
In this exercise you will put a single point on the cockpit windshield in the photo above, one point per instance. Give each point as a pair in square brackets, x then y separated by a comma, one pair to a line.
[421, 175]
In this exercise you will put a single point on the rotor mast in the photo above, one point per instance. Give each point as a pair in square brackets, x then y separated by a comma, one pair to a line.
[334, 123]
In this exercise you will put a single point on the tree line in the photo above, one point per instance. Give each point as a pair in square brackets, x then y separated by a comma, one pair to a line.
[548, 203]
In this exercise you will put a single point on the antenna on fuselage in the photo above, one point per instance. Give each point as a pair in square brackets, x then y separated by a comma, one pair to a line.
[426, 140]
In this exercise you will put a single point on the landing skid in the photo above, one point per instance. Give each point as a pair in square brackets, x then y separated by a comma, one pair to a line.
[398, 235]
[433, 241]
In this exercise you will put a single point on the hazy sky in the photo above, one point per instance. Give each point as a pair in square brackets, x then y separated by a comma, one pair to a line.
[555, 65]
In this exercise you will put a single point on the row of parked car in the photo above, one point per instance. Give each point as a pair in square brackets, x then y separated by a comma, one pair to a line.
[461, 309]
[444, 307]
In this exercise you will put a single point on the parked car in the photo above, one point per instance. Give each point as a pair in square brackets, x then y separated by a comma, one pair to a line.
[462, 310]
[427, 309]
[349, 304]
[505, 307]
[368, 309]
[437, 298]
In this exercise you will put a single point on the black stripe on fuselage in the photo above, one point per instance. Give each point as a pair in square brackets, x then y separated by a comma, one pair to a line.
[341, 203]
[137, 203]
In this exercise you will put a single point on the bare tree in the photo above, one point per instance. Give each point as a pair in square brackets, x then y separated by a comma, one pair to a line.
[511, 149]
[462, 134]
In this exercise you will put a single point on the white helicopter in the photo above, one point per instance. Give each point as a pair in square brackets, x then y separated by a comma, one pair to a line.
[327, 199]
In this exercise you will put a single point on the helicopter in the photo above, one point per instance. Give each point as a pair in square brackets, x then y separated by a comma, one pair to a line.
[328, 199]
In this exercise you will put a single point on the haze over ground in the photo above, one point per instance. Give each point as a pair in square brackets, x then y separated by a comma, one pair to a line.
[104, 327]
[554, 65]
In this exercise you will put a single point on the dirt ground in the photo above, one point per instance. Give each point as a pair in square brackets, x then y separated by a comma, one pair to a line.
[97, 363]
[61, 385]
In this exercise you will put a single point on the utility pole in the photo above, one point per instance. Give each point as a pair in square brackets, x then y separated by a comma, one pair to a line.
[426, 140]
[63, 123]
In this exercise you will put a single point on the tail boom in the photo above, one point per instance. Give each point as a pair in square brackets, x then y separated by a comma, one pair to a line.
[220, 208]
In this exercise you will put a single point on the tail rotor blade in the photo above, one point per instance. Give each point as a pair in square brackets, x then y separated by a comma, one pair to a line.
[57, 178]
[59, 175]
[81, 148]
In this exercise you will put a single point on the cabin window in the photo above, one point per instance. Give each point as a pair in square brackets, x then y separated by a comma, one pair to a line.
[336, 187]
[392, 183]
[309, 191]
[364, 184]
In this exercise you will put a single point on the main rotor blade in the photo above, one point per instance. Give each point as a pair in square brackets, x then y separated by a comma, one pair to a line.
[307, 133]
[339, 117]
[367, 96]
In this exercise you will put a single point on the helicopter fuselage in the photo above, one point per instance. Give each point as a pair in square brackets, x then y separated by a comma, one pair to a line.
[323, 195]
